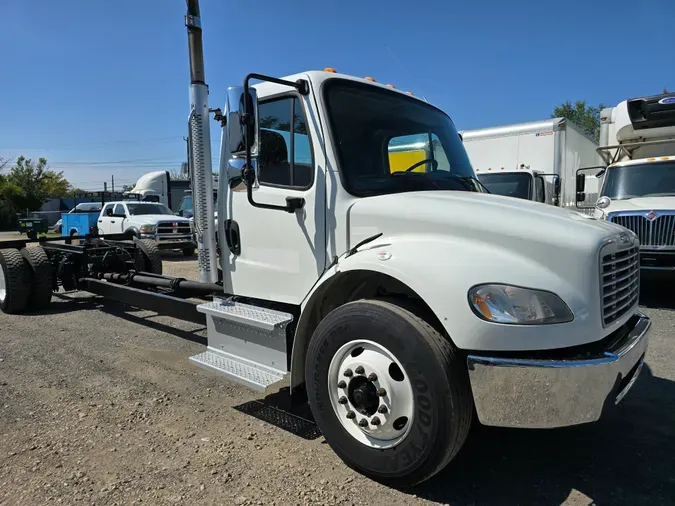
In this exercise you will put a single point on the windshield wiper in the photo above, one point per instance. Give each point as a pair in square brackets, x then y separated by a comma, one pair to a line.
[466, 179]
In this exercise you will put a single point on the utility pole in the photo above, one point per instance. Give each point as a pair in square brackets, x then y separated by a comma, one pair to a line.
[113, 183]
[105, 186]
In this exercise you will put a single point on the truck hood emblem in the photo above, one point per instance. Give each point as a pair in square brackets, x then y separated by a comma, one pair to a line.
[624, 238]
[651, 215]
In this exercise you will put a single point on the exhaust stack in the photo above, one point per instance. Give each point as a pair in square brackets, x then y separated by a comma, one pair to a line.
[200, 149]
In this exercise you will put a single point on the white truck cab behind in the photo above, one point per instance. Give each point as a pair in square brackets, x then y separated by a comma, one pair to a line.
[638, 187]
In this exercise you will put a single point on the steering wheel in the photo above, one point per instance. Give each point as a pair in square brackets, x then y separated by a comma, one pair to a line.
[434, 164]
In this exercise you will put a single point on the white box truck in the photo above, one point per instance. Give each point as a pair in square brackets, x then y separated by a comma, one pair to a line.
[637, 143]
[536, 160]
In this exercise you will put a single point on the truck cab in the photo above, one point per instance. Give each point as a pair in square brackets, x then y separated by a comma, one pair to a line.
[637, 140]
[522, 183]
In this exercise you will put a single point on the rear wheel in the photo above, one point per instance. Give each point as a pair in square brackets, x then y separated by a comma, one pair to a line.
[73, 233]
[14, 281]
[41, 279]
[388, 392]
[151, 260]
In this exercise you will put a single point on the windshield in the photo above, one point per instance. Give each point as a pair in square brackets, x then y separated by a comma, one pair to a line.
[518, 185]
[644, 180]
[138, 209]
[389, 143]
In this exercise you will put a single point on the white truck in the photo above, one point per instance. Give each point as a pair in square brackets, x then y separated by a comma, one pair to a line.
[535, 161]
[397, 303]
[157, 186]
[637, 144]
[148, 220]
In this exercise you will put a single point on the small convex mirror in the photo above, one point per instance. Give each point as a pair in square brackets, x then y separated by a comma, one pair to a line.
[603, 202]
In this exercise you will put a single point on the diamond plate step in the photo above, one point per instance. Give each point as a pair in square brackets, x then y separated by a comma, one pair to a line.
[262, 318]
[246, 372]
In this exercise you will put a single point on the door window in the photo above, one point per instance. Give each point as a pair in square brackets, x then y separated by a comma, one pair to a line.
[540, 194]
[119, 210]
[285, 154]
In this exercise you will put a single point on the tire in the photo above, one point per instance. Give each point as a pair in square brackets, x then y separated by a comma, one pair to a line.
[189, 252]
[41, 277]
[14, 281]
[436, 394]
[73, 233]
[150, 253]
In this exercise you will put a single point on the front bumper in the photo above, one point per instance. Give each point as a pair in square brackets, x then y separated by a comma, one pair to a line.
[541, 393]
[171, 241]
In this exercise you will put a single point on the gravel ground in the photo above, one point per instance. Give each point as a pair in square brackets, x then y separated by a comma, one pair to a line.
[99, 405]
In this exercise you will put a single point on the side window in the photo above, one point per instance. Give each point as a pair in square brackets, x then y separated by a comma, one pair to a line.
[119, 210]
[285, 157]
[105, 209]
[417, 150]
[539, 193]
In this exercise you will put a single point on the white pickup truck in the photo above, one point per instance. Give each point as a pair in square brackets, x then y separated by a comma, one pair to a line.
[148, 220]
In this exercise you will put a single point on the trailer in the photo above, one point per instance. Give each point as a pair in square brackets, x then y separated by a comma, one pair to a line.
[637, 145]
[398, 304]
[536, 160]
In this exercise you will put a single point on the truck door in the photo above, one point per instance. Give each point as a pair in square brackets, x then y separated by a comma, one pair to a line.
[280, 255]
[104, 219]
[116, 225]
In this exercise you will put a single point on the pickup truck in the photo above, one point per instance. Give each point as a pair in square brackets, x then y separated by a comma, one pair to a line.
[148, 220]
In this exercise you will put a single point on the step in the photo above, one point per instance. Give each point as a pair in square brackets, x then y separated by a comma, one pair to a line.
[262, 318]
[238, 369]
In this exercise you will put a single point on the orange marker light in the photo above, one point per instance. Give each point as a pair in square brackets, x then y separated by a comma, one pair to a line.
[330, 69]
[409, 93]
[665, 158]
[651, 159]
[370, 79]
[481, 305]
[391, 86]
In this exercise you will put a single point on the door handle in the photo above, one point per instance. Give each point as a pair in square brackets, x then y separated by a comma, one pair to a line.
[112, 221]
[100, 221]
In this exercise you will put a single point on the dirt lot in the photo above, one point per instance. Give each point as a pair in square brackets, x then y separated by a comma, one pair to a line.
[100, 405]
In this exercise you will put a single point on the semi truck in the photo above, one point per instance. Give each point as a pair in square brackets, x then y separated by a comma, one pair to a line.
[401, 306]
[157, 186]
[535, 161]
[637, 145]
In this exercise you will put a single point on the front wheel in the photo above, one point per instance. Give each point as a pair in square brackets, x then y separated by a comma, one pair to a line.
[189, 252]
[388, 392]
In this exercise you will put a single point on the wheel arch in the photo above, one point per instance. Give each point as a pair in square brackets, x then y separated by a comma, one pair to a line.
[133, 230]
[342, 287]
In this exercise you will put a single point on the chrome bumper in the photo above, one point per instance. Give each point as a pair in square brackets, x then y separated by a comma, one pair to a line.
[556, 393]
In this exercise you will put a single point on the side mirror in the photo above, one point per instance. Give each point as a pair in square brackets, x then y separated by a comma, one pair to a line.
[581, 184]
[603, 202]
[241, 128]
[109, 211]
[180, 213]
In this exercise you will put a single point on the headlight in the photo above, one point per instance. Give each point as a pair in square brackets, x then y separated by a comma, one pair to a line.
[520, 306]
[148, 229]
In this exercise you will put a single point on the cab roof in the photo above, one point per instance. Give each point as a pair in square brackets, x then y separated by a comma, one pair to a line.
[641, 161]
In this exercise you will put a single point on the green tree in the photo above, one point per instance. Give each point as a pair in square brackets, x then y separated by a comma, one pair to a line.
[28, 185]
[584, 116]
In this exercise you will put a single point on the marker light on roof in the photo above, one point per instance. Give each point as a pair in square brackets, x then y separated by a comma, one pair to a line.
[665, 158]
[651, 159]
[330, 69]
[409, 93]
[391, 86]
[370, 79]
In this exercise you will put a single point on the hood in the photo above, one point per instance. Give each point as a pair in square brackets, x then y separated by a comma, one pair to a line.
[153, 218]
[642, 204]
[531, 228]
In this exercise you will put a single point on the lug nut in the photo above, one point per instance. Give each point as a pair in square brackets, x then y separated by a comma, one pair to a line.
[381, 392]
[363, 422]
[382, 409]
[375, 421]
[342, 384]
[359, 370]
[351, 415]
[348, 373]
[342, 400]
[372, 377]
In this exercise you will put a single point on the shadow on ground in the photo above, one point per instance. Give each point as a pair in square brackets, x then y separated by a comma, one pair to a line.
[627, 458]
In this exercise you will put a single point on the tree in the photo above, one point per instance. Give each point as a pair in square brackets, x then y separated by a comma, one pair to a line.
[127, 187]
[28, 185]
[584, 116]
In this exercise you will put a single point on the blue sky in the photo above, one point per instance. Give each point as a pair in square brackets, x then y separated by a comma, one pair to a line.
[86, 83]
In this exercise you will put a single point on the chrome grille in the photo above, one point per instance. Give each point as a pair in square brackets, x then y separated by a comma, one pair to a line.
[167, 227]
[619, 281]
[658, 232]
